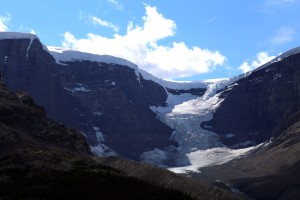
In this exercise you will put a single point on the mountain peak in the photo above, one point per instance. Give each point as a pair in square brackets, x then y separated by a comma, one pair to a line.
[17, 35]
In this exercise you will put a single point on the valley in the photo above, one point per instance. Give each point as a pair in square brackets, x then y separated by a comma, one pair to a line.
[241, 131]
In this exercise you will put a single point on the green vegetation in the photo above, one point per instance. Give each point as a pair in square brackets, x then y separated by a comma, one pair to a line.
[82, 182]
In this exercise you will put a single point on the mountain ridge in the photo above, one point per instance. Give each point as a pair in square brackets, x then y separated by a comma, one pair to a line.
[142, 118]
[123, 111]
[42, 159]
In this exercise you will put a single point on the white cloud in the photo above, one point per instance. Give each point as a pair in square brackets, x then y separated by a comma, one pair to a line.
[104, 23]
[116, 4]
[245, 67]
[141, 45]
[3, 22]
[260, 59]
[33, 31]
[284, 35]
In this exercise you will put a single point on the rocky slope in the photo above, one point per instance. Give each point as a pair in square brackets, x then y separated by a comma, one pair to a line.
[27, 137]
[254, 106]
[108, 102]
[41, 159]
[270, 171]
[125, 111]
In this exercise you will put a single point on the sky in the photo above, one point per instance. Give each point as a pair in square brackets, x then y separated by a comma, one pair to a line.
[171, 39]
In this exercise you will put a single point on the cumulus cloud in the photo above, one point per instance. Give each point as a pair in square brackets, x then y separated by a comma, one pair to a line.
[260, 59]
[104, 23]
[284, 35]
[3, 22]
[141, 45]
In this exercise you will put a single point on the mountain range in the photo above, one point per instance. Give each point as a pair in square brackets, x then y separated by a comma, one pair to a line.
[241, 131]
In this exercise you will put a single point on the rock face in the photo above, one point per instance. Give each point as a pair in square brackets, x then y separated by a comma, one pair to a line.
[27, 137]
[42, 159]
[253, 107]
[270, 171]
[109, 103]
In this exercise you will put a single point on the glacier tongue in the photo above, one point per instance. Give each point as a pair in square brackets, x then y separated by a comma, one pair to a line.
[184, 113]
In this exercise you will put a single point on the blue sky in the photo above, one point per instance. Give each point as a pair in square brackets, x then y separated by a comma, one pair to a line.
[172, 39]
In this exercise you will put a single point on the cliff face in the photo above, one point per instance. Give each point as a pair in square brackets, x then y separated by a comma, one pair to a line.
[27, 137]
[253, 107]
[41, 159]
[107, 102]
[270, 171]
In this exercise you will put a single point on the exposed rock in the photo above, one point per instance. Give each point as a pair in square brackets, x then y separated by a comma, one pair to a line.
[42, 159]
[108, 102]
[167, 179]
[271, 171]
[27, 137]
[253, 107]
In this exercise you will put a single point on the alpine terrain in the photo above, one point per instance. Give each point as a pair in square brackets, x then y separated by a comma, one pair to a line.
[240, 134]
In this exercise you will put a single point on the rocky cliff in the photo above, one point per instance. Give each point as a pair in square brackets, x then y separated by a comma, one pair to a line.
[125, 111]
[271, 170]
[42, 159]
[27, 137]
[254, 106]
[108, 102]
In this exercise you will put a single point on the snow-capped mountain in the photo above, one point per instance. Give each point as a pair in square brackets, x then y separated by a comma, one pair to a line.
[123, 110]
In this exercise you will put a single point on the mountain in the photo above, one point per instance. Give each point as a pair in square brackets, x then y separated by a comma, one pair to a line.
[42, 159]
[243, 131]
[271, 170]
[27, 137]
[105, 100]
[109, 99]
[254, 106]
[260, 108]
[125, 111]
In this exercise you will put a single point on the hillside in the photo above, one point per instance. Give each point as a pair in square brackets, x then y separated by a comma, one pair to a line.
[42, 159]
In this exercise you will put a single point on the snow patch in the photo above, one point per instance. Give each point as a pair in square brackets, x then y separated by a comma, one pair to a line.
[98, 113]
[78, 89]
[102, 150]
[178, 85]
[210, 157]
[5, 59]
[28, 48]
[99, 134]
[62, 55]
[276, 76]
[110, 82]
[17, 35]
